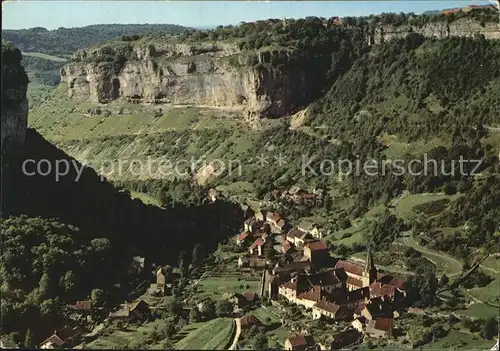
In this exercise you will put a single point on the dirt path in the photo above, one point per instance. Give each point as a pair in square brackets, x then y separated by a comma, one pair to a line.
[237, 333]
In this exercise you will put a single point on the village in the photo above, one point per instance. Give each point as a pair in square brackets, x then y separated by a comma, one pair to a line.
[329, 289]
[284, 282]
[291, 266]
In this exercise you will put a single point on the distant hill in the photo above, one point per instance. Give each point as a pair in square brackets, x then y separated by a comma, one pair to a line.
[45, 51]
[65, 41]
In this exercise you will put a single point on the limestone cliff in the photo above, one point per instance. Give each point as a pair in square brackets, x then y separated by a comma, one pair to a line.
[439, 30]
[260, 83]
[14, 102]
[269, 83]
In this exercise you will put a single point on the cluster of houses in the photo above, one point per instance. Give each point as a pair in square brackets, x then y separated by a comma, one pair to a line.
[69, 336]
[271, 228]
[348, 292]
[298, 196]
[81, 311]
[328, 289]
[467, 9]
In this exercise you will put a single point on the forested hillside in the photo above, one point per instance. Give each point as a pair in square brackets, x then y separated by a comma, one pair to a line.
[65, 41]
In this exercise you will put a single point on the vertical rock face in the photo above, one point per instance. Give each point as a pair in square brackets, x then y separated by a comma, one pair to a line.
[438, 30]
[270, 84]
[265, 83]
[14, 102]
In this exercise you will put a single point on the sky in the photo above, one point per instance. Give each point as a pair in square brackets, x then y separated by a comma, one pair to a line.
[199, 14]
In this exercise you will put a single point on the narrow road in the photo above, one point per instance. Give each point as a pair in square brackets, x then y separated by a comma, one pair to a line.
[445, 263]
[234, 345]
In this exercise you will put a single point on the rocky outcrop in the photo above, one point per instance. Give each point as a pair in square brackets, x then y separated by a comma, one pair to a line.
[14, 102]
[262, 83]
[269, 83]
[439, 30]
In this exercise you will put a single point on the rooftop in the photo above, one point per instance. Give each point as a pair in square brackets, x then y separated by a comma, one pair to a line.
[301, 340]
[350, 267]
[383, 324]
[317, 246]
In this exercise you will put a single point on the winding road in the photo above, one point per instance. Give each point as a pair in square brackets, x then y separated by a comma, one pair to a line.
[444, 262]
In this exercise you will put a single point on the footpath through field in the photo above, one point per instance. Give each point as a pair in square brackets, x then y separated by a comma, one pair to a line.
[237, 333]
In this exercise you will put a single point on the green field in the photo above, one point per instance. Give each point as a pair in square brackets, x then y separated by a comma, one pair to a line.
[216, 287]
[405, 208]
[461, 341]
[397, 148]
[491, 265]
[62, 118]
[129, 337]
[480, 310]
[145, 198]
[268, 315]
[490, 293]
[356, 232]
[213, 335]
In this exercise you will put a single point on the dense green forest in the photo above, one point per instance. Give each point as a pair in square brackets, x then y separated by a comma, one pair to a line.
[96, 217]
[416, 88]
[67, 40]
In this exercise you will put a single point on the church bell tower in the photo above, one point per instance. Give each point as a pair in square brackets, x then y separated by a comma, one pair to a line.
[369, 274]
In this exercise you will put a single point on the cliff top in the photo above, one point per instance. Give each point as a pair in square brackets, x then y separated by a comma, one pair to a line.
[303, 34]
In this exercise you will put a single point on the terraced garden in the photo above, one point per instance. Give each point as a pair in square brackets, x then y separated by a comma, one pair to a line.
[213, 335]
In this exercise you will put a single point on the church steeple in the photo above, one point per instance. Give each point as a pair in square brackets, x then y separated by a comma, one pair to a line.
[369, 274]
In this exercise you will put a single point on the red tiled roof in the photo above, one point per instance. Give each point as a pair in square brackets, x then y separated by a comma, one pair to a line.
[258, 242]
[350, 267]
[354, 282]
[300, 340]
[384, 324]
[378, 289]
[243, 236]
[397, 283]
[290, 285]
[327, 306]
[317, 246]
[286, 246]
[313, 295]
[481, 6]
